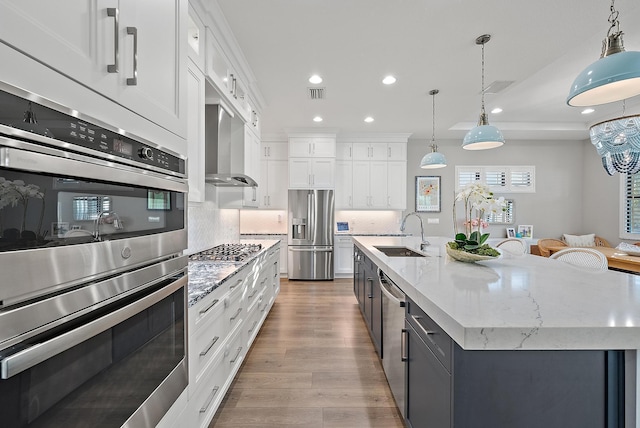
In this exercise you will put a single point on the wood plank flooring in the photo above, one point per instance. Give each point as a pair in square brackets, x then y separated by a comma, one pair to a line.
[312, 365]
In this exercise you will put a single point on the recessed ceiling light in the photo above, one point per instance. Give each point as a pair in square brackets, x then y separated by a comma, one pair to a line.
[588, 111]
[368, 119]
[317, 119]
[315, 79]
[496, 110]
[389, 80]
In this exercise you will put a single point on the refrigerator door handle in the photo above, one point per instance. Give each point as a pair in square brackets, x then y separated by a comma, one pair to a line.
[312, 250]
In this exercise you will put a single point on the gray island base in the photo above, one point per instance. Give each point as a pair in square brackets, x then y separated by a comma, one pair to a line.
[503, 343]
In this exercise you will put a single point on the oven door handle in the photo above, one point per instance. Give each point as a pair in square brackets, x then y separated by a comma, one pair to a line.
[27, 358]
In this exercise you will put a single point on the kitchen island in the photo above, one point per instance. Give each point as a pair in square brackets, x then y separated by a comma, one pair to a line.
[520, 304]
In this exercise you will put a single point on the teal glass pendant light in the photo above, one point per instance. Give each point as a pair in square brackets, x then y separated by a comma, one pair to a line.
[613, 77]
[434, 159]
[483, 136]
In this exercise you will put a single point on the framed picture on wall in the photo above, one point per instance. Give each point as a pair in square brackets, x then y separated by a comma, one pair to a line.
[428, 194]
[525, 231]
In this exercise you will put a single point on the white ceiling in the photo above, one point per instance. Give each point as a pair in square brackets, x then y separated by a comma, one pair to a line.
[427, 44]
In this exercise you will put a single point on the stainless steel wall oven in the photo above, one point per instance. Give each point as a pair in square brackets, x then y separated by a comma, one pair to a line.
[94, 286]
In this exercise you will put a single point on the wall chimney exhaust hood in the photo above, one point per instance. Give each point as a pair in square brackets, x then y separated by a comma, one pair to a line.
[224, 149]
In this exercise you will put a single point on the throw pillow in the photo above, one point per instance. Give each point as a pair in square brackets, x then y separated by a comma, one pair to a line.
[580, 240]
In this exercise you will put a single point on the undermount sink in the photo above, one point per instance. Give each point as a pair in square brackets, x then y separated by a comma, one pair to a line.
[399, 252]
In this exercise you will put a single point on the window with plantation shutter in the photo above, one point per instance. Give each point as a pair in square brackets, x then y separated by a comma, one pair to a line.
[501, 179]
[502, 217]
[89, 207]
[630, 185]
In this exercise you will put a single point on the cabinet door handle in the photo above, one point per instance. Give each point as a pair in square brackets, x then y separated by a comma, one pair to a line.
[388, 201]
[350, 200]
[255, 194]
[269, 198]
[417, 319]
[255, 323]
[403, 345]
[370, 294]
[236, 315]
[114, 13]
[236, 284]
[250, 296]
[388, 152]
[209, 346]
[214, 391]
[350, 152]
[237, 355]
[133, 81]
[205, 310]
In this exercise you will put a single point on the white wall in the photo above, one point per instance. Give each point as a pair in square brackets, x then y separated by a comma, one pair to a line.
[555, 208]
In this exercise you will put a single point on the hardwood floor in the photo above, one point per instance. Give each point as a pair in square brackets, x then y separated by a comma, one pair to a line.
[312, 365]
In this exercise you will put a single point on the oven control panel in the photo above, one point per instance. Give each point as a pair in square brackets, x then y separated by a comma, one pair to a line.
[36, 117]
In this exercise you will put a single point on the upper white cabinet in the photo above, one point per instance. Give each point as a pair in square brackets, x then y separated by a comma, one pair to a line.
[195, 39]
[372, 175]
[313, 147]
[195, 132]
[272, 191]
[274, 150]
[309, 173]
[251, 166]
[130, 52]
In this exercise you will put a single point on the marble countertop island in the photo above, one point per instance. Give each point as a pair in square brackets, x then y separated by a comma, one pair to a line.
[515, 302]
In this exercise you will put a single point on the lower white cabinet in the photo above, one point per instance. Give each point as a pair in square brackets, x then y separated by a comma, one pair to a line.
[222, 327]
[343, 248]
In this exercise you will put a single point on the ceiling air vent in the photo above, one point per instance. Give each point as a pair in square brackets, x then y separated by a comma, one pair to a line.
[497, 86]
[316, 93]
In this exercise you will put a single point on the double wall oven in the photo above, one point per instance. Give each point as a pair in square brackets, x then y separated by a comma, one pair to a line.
[94, 286]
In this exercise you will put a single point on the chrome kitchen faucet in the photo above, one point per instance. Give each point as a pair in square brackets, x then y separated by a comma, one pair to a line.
[424, 243]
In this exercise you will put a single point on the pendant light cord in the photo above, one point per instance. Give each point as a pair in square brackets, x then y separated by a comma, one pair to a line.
[433, 121]
[613, 20]
[482, 88]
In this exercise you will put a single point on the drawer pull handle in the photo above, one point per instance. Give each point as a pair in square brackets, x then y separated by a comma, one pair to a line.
[262, 282]
[403, 345]
[252, 294]
[205, 310]
[133, 81]
[255, 323]
[417, 319]
[236, 315]
[209, 346]
[214, 391]
[113, 12]
[237, 355]
[236, 284]
[265, 307]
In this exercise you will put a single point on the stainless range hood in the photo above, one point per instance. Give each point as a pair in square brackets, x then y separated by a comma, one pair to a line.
[224, 149]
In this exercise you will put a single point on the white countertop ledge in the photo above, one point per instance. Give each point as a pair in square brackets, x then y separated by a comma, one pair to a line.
[515, 302]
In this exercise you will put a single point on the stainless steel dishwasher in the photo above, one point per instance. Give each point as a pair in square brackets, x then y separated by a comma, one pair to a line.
[393, 313]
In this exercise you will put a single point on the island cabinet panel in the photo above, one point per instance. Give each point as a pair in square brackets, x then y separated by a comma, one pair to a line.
[450, 387]
[369, 295]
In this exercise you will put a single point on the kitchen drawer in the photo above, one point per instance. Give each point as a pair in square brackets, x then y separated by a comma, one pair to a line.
[218, 377]
[208, 339]
[254, 319]
[435, 338]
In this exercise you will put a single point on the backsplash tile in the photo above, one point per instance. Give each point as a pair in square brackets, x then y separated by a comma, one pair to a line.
[210, 226]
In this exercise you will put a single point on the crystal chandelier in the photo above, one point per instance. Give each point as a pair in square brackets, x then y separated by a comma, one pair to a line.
[618, 144]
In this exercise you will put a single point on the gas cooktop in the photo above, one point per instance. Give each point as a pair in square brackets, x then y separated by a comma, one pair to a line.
[228, 252]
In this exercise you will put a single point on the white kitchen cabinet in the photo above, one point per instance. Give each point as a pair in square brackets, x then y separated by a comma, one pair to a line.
[397, 185]
[344, 185]
[195, 132]
[343, 255]
[195, 39]
[273, 186]
[222, 326]
[312, 147]
[251, 166]
[274, 150]
[344, 151]
[130, 52]
[306, 173]
[370, 185]
[380, 151]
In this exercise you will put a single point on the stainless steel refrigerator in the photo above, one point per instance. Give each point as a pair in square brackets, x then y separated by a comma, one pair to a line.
[310, 250]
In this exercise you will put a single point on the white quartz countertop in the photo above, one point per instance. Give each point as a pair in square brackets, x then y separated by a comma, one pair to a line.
[515, 302]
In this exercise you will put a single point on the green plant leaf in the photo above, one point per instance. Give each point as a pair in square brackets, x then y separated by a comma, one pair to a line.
[483, 238]
[474, 236]
[461, 237]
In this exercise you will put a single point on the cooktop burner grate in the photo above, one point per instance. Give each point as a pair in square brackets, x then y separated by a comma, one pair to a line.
[228, 252]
